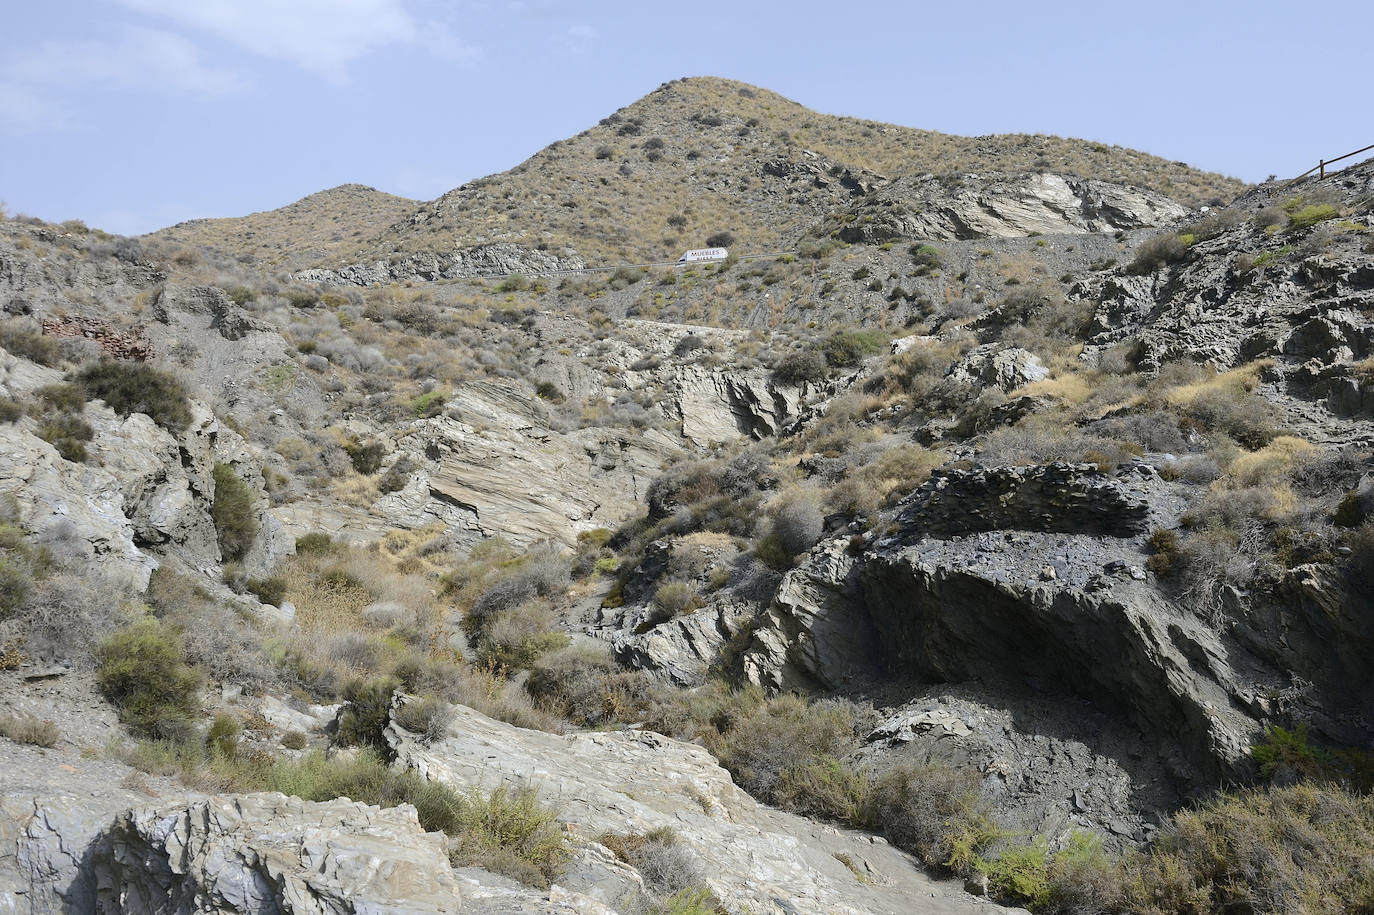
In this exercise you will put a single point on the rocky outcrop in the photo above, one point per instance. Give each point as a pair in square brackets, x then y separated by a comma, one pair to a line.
[267, 853]
[991, 365]
[754, 859]
[492, 466]
[1069, 498]
[499, 259]
[720, 406]
[1000, 206]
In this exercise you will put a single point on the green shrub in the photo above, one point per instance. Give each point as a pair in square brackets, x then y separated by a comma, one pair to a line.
[232, 512]
[1020, 874]
[1084, 878]
[365, 717]
[69, 398]
[294, 740]
[1305, 848]
[925, 257]
[826, 788]
[270, 590]
[784, 733]
[132, 387]
[142, 670]
[223, 736]
[424, 406]
[1308, 216]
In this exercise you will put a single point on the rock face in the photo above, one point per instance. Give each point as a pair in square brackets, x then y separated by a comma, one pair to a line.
[1017, 576]
[492, 466]
[1000, 206]
[720, 406]
[992, 366]
[753, 858]
[1068, 498]
[271, 853]
[498, 259]
[1300, 297]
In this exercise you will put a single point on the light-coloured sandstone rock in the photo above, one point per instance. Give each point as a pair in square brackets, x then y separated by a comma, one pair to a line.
[754, 859]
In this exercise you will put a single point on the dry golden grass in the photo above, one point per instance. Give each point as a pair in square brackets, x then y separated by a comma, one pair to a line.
[1275, 460]
[1244, 377]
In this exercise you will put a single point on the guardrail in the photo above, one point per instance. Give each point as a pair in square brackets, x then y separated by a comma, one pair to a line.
[1321, 165]
[529, 274]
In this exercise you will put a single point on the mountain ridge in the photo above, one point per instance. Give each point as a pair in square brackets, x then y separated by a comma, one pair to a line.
[697, 157]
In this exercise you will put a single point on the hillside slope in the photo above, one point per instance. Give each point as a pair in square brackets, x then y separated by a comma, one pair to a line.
[704, 155]
[692, 159]
[312, 229]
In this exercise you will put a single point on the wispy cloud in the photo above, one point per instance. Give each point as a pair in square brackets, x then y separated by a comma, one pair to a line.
[32, 80]
[320, 36]
[577, 39]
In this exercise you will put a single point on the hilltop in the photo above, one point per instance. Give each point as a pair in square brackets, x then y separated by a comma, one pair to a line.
[694, 159]
[315, 228]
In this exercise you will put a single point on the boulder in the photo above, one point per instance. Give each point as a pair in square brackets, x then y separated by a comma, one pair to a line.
[990, 365]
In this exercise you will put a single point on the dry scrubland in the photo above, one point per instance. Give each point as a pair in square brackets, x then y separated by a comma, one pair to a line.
[697, 158]
[494, 627]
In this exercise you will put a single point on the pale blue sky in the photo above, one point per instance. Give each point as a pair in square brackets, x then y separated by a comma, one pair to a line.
[134, 114]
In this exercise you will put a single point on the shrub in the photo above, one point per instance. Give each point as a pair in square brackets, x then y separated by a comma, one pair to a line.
[366, 457]
[667, 867]
[427, 717]
[1021, 874]
[16, 583]
[68, 398]
[141, 669]
[675, 597]
[826, 788]
[934, 812]
[720, 240]
[1305, 848]
[1308, 216]
[312, 543]
[925, 257]
[38, 732]
[10, 410]
[515, 638]
[232, 513]
[365, 717]
[800, 366]
[132, 387]
[1156, 252]
[1164, 551]
[294, 740]
[798, 523]
[511, 833]
[223, 736]
[848, 348]
[604, 152]
[270, 590]
[68, 433]
[29, 345]
[782, 734]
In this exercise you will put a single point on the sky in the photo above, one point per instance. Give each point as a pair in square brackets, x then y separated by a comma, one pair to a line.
[136, 114]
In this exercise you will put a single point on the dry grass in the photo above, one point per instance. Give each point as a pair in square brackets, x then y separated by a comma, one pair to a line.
[38, 732]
